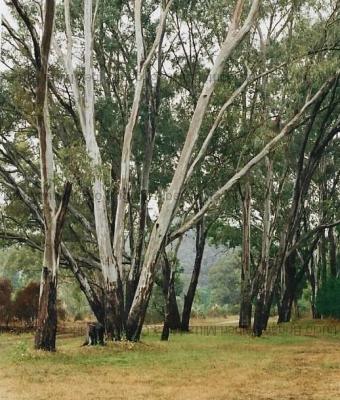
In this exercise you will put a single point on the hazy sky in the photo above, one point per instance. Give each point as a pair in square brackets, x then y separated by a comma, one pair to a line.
[4, 9]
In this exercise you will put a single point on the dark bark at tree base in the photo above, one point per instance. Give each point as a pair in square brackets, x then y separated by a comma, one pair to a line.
[174, 320]
[45, 337]
[262, 313]
[98, 310]
[165, 332]
[135, 321]
[190, 295]
[285, 312]
[114, 320]
[134, 327]
[130, 290]
[95, 335]
[245, 313]
[315, 313]
[258, 325]
[286, 304]
[292, 280]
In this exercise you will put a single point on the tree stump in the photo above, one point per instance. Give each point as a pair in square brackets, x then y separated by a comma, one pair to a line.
[95, 334]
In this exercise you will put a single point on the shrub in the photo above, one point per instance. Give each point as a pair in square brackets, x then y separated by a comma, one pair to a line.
[27, 302]
[328, 299]
[6, 308]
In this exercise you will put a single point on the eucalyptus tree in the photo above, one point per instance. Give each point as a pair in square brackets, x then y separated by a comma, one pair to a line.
[53, 218]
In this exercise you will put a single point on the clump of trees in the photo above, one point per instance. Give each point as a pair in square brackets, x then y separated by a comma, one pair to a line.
[225, 118]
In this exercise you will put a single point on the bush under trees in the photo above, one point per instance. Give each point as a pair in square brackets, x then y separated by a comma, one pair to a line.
[5, 301]
[24, 306]
[26, 303]
[328, 299]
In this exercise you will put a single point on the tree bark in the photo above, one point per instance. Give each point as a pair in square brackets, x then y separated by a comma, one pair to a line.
[174, 316]
[45, 336]
[171, 315]
[313, 280]
[261, 280]
[201, 235]
[332, 253]
[288, 296]
[246, 301]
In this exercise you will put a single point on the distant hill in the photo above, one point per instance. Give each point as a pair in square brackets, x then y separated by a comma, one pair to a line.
[186, 255]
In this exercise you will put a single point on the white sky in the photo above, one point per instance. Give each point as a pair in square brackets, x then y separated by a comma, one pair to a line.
[4, 9]
[4, 12]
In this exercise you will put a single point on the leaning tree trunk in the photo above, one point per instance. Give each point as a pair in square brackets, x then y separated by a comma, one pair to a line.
[246, 295]
[235, 35]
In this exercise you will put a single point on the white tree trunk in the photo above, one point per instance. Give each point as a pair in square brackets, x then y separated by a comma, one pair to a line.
[53, 219]
[142, 65]
[85, 110]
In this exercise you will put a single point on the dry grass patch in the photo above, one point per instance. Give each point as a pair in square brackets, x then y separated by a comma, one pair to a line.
[188, 367]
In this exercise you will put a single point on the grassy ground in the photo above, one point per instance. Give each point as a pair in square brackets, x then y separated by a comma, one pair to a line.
[302, 361]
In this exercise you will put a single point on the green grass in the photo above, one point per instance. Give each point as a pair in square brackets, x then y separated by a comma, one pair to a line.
[191, 347]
